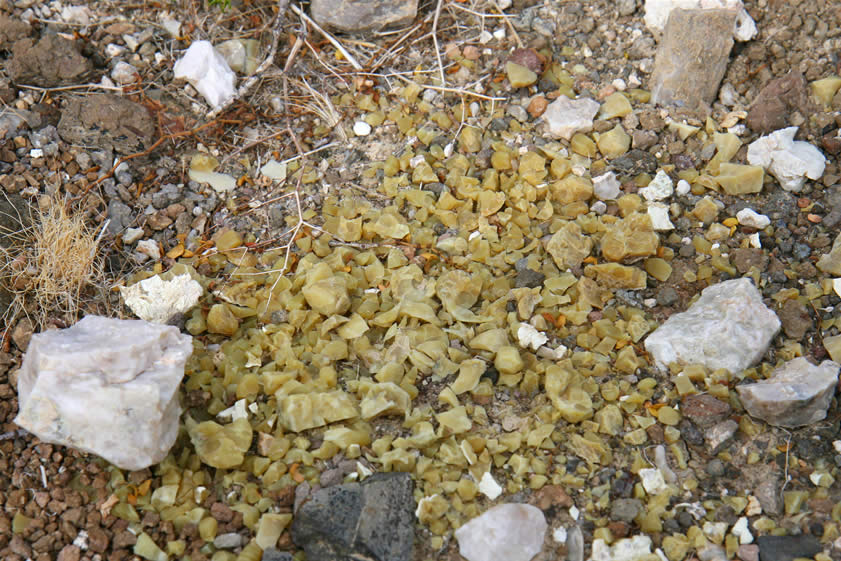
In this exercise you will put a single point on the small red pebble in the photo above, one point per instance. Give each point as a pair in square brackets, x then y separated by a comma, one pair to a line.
[470, 52]
[814, 218]
[537, 106]
[803, 202]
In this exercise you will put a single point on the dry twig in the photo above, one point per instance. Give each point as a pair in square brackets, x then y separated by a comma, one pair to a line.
[333, 41]
[435, 41]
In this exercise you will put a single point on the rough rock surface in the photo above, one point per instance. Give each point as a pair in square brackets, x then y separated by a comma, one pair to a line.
[106, 386]
[787, 548]
[52, 61]
[507, 532]
[14, 216]
[373, 519]
[12, 30]
[158, 300]
[778, 99]
[727, 327]
[565, 116]
[107, 121]
[797, 393]
[363, 15]
[692, 57]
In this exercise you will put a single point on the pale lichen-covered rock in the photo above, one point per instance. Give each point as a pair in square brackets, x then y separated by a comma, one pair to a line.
[727, 327]
[158, 300]
[507, 532]
[798, 393]
[106, 386]
[565, 116]
[354, 16]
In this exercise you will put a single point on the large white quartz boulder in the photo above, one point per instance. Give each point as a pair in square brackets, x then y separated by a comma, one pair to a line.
[797, 393]
[727, 327]
[508, 532]
[106, 386]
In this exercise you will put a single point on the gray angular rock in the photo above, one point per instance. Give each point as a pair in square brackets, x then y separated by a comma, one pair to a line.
[727, 327]
[109, 121]
[106, 386]
[692, 57]
[798, 393]
[371, 520]
[52, 61]
[363, 15]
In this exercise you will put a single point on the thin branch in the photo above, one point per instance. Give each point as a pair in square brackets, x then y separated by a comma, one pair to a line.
[453, 90]
[435, 41]
[333, 41]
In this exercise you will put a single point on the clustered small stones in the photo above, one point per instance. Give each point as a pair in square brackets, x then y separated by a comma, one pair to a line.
[573, 462]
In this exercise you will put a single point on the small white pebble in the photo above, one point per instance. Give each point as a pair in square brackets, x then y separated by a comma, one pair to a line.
[489, 487]
[560, 535]
[416, 161]
[499, 34]
[683, 187]
[599, 207]
[751, 218]
[361, 128]
[485, 37]
[619, 84]
[574, 512]
[36, 153]
[754, 240]
[741, 531]
[649, 302]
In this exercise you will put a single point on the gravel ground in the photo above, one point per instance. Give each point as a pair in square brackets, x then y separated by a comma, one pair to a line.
[58, 503]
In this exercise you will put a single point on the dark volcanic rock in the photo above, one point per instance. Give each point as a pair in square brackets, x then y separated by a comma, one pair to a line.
[787, 548]
[371, 520]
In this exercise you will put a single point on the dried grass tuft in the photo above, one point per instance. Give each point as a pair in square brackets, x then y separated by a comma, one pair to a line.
[53, 267]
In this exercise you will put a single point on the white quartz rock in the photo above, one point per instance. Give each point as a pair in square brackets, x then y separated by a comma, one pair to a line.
[106, 386]
[508, 532]
[207, 71]
[157, 300]
[727, 327]
[752, 219]
[566, 116]
[628, 549]
[606, 187]
[798, 393]
[530, 337]
[790, 161]
[659, 215]
[489, 487]
[659, 188]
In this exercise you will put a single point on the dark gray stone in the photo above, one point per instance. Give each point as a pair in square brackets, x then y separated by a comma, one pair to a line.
[14, 218]
[625, 509]
[120, 216]
[692, 57]
[272, 554]
[787, 548]
[528, 278]
[371, 520]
